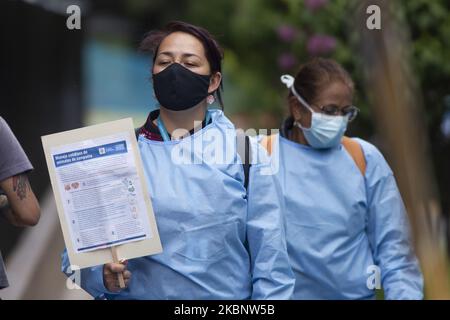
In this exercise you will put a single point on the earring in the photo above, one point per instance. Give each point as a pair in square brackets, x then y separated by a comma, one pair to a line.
[210, 99]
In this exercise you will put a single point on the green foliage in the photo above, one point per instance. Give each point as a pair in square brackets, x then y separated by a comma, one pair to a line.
[429, 23]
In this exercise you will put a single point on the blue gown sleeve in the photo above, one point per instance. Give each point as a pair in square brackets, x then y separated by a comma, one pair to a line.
[90, 279]
[389, 231]
[272, 276]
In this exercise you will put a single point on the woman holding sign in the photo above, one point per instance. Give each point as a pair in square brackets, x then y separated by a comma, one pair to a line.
[219, 220]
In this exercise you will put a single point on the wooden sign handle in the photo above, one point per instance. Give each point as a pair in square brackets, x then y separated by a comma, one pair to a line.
[116, 260]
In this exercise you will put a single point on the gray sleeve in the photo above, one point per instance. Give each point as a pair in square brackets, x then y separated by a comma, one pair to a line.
[13, 159]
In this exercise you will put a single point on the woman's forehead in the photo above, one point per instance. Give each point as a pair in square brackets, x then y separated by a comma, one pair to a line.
[181, 43]
[337, 92]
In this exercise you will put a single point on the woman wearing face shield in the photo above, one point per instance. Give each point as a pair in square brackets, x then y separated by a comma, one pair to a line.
[221, 239]
[346, 225]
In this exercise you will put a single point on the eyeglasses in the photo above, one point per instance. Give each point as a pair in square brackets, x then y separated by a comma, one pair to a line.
[333, 110]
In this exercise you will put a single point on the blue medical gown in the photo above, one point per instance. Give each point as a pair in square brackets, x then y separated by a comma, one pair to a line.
[340, 224]
[219, 240]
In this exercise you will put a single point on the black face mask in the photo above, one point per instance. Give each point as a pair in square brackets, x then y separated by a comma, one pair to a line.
[178, 88]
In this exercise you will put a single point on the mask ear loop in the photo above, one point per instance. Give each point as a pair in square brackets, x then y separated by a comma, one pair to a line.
[288, 80]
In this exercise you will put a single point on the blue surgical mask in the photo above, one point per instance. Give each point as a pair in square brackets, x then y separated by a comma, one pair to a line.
[326, 131]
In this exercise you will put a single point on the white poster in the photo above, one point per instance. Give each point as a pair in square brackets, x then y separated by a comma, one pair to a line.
[100, 192]
[103, 198]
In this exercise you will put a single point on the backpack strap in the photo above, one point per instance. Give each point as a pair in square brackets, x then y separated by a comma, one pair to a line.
[356, 152]
[244, 152]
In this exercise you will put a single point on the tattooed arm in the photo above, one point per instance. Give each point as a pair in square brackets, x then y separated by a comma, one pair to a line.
[20, 205]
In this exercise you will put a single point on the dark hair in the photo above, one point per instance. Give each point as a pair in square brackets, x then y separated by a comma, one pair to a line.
[214, 53]
[316, 74]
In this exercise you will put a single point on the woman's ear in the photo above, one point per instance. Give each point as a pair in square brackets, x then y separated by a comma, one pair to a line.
[294, 108]
[214, 82]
